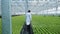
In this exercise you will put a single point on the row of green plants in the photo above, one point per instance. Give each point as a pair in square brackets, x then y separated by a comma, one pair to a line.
[46, 24]
[41, 24]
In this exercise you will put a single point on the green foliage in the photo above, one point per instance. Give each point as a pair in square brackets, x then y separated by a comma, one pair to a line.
[41, 24]
[46, 25]
[17, 23]
[0, 26]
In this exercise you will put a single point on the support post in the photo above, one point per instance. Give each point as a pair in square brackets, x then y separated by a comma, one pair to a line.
[26, 6]
[56, 6]
[6, 17]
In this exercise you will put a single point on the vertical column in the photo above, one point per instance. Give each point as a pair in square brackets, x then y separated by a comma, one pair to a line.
[56, 6]
[26, 6]
[6, 17]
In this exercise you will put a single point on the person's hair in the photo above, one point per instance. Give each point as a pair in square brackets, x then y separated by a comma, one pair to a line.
[29, 11]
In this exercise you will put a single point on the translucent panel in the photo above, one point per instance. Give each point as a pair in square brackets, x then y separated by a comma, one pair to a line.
[34, 5]
[15, 0]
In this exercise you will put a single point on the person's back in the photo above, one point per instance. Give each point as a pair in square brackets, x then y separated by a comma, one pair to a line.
[28, 18]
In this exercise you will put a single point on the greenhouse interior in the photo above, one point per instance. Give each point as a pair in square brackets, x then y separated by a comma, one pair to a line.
[45, 16]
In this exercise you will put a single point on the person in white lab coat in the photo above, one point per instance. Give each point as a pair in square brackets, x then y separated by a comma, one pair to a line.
[28, 17]
[28, 20]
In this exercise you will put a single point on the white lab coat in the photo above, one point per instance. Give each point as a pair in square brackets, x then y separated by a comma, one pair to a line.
[28, 18]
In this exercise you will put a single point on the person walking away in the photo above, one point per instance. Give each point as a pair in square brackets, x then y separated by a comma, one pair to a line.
[28, 19]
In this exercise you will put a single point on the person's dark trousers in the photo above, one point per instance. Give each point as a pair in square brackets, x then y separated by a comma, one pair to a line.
[28, 28]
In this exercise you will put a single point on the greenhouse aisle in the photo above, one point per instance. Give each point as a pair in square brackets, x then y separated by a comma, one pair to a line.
[26, 30]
